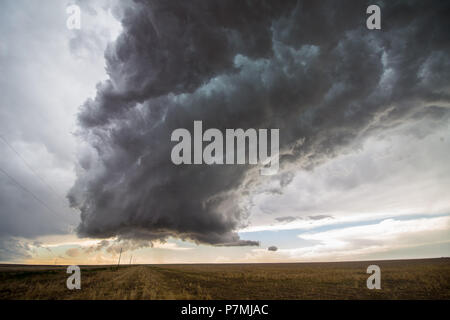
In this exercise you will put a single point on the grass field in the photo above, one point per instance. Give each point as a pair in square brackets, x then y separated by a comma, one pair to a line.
[400, 279]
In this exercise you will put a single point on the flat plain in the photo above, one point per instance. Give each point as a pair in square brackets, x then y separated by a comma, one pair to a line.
[400, 279]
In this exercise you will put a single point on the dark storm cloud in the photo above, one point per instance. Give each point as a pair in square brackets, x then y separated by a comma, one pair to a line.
[272, 248]
[310, 68]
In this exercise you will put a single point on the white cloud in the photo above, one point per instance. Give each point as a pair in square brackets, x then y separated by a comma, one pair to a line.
[366, 241]
[43, 84]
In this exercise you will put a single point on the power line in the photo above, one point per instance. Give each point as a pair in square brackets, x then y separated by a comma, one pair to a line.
[31, 169]
[28, 191]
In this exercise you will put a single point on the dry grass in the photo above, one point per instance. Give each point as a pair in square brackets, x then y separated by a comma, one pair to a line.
[402, 279]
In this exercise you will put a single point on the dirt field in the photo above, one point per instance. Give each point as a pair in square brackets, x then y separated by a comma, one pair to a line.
[401, 279]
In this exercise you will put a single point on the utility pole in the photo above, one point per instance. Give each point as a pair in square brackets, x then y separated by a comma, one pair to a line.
[118, 263]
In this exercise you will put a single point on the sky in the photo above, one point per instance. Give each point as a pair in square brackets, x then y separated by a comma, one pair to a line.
[86, 117]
